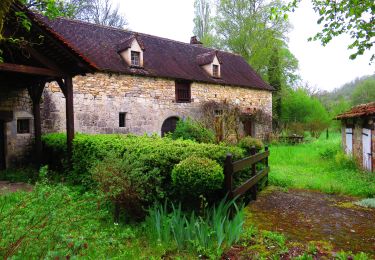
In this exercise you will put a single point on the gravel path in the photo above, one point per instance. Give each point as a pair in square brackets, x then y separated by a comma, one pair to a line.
[313, 216]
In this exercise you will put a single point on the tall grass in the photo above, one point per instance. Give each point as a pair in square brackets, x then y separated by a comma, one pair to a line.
[319, 165]
[209, 234]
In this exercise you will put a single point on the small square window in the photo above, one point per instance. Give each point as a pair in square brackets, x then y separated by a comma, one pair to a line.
[215, 71]
[183, 91]
[122, 118]
[135, 58]
[23, 126]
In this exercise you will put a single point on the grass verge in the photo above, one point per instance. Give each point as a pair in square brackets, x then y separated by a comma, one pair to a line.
[319, 165]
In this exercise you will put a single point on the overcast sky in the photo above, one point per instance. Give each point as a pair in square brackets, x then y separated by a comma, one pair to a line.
[323, 67]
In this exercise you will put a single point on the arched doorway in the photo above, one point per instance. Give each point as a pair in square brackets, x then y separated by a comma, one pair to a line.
[169, 125]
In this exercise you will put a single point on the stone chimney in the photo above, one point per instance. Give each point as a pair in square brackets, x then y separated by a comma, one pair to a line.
[194, 40]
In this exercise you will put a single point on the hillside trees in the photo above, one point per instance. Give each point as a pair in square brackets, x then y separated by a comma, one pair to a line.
[364, 92]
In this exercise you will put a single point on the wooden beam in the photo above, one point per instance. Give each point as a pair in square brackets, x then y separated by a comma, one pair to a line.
[29, 70]
[61, 83]
[68, 82]
[35, 93]
[44, 60]
[241, 164]
[250, 182]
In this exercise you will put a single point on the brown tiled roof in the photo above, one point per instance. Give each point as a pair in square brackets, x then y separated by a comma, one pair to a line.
[162, 57]
[359, 111]
[207, 58]
[128, 43]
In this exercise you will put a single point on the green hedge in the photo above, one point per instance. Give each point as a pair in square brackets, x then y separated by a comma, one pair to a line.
[155, 155]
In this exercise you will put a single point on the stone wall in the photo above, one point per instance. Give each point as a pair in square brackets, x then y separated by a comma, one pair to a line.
[357, 140]
[147, 102]
[16, 104]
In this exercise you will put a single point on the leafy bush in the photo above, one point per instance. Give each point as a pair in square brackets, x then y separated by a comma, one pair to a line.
[152, 157]
[189, 129]
[197, 176]
[208, 234]
[123, 182]
[248, 142]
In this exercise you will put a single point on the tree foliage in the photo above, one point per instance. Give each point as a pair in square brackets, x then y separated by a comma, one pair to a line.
[353, 17]
[299, 110]
[203, 21]
[101, 12]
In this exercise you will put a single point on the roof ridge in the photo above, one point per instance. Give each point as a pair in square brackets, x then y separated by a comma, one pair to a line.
[146, 35]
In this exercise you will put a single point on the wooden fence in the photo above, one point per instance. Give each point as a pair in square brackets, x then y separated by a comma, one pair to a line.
[230, 168]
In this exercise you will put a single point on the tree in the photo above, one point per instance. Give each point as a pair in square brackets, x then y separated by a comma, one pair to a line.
[353, 17]
[364, 92]
[203, 21]
[244, 27]
[301, 112]
[99, 12]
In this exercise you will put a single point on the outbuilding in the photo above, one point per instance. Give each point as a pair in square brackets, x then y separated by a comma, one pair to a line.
[358, 134]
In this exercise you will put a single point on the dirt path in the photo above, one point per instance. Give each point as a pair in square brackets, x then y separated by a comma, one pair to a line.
[313, 216]
[6, 186]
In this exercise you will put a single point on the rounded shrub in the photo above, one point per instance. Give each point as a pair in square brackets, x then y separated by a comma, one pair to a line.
[248, 142]
[197, 176]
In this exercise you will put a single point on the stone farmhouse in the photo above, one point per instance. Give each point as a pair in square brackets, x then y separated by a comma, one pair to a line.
[95, 79]
[358, 134]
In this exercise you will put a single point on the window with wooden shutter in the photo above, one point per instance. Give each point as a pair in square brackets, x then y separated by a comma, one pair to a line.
[183, 91]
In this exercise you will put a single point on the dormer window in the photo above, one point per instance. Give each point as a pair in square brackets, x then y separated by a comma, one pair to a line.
[210, 63]
[135, 58]
[131, 51]
[215, 71]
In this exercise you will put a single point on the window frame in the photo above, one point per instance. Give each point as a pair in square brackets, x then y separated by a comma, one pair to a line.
[180, 87]
[138, 55]
[122, 119]
[23, 126]
[215, 71]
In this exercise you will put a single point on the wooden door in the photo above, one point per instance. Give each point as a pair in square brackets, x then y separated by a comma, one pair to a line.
[2, 145]
[349, 141]
[366, 145]
[169, 125]
[248, 127]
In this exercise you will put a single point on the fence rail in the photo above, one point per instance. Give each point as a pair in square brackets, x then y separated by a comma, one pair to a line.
[230, 168]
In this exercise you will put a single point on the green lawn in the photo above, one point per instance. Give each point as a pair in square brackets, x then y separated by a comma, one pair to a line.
[302, 166]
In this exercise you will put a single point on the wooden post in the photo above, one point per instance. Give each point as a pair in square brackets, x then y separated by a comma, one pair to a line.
[228, 176]
[266, 163]
[253, 173]
[35, 93]
[69, 117]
